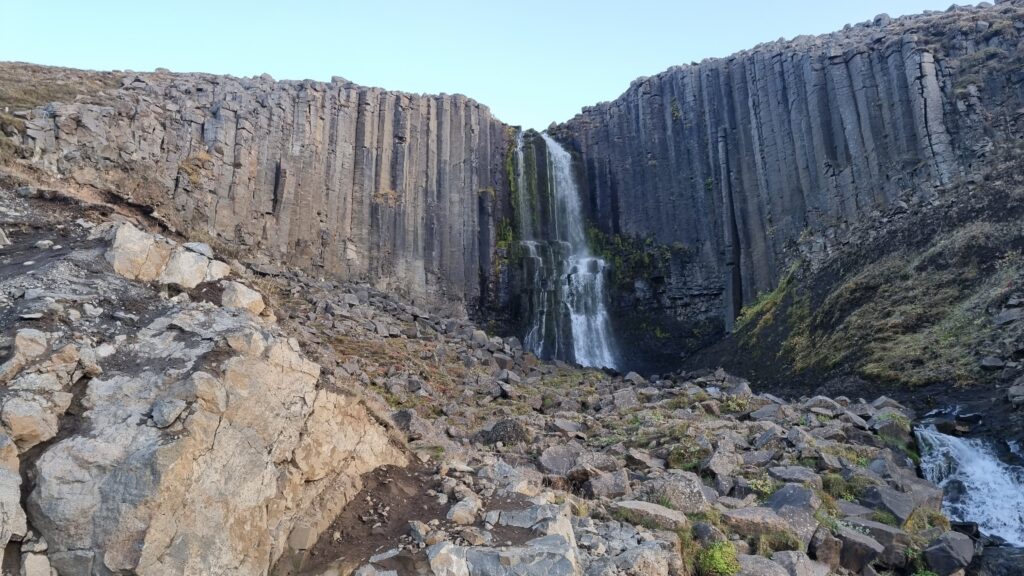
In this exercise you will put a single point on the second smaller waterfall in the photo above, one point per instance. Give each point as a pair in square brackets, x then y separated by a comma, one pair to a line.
[978, 486]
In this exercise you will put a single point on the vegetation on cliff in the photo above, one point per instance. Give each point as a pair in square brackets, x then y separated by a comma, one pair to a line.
[923, 299]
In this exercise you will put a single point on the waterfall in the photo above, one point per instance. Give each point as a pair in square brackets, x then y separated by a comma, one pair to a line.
[978, 487]
[568, 315]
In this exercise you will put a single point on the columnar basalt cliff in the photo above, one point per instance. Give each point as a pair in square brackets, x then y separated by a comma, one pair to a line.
[355, 182]
[737, 159]
[699, 183]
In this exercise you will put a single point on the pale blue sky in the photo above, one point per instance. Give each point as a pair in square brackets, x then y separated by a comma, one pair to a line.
[531, 61]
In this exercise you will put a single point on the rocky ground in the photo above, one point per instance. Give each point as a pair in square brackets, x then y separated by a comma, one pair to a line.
[167, 412]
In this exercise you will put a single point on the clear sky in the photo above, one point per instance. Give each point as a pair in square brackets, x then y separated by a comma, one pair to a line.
[531, 61]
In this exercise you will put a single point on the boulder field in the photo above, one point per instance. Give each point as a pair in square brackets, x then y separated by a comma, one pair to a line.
[165, 411]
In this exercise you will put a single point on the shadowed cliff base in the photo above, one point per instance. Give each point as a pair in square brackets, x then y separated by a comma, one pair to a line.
[925, 304]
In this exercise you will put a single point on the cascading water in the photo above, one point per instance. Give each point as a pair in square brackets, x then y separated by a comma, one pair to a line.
[568, 315]
[978, 486]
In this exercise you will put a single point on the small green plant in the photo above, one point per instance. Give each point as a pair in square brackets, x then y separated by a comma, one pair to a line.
[761, 313]
[901, 420]
[827, 520]
[735, 405]
[885, 517]
[712, 516]
[677, 113]
[631, 517]
[764, 485]
[923, 519]
[836, 486]
[771, 541]
[506, 234]
[686, 457]
[718, 559]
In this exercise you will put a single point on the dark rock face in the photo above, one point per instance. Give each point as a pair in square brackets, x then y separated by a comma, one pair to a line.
[735, 159]
[361, 183]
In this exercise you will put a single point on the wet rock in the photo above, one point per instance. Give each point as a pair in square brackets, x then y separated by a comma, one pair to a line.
[899, 504]
[949, 553]
[1002, 561]
[858, 550]
[896, 541]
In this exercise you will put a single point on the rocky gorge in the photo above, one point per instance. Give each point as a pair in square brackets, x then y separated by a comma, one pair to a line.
[759, 315]
[160, 417]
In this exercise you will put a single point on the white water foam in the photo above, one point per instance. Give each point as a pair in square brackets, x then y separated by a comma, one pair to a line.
[979, 487]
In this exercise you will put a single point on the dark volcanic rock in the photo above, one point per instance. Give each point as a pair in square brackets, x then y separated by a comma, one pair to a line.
[736, 158]
[368, 184]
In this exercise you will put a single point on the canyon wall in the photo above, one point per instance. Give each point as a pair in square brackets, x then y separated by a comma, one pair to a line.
[733, 160]
[698, 183]
[397, 189]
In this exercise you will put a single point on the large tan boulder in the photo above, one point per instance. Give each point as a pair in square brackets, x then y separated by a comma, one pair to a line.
[185, 268]
[12, 517]
[255, 453]
[238, 295]
[137, 255]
